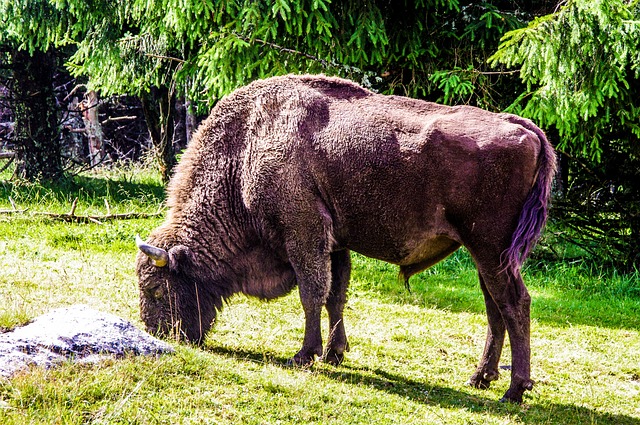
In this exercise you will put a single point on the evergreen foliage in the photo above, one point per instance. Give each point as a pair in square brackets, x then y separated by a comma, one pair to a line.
[30, 31]
[34, 25]
[581, 66]
[205, 49]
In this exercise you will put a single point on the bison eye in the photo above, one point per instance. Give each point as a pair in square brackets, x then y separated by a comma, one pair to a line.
[158, 293]
[154, 291]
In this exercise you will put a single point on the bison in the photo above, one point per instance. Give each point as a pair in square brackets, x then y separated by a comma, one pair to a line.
[289, 174]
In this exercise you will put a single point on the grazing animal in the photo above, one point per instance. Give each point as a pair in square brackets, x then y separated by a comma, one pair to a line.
[289, 174]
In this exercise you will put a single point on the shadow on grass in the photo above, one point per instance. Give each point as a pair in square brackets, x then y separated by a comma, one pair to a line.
[436, 395]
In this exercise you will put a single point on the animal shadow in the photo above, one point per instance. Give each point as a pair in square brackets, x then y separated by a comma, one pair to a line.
[432, 394]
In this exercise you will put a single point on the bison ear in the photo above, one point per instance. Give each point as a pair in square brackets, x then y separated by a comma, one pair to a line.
[179, 255]
[159, 256]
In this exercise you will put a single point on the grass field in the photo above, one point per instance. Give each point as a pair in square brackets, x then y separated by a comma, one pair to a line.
[411, 352]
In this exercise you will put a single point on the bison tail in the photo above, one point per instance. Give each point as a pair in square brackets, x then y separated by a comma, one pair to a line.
[535, 209]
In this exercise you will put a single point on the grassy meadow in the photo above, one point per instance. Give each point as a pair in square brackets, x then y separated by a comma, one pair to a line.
[411, 352]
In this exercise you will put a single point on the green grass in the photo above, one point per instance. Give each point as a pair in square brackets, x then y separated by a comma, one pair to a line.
[411, 352]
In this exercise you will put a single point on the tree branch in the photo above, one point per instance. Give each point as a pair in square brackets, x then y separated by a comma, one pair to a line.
[515, 71]
[123, 118]
[79, 86]
[171, 58]
[323, 62]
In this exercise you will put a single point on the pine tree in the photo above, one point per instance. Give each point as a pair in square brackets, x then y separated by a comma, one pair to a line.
[36, 133]
[31, 32]
[202, 50]
[581, 67]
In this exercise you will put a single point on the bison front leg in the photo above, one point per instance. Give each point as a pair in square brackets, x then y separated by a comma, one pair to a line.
[313, 273]
[312, 344]
[340, 274]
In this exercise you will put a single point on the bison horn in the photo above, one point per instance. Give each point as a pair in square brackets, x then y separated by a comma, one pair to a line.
[159, 256]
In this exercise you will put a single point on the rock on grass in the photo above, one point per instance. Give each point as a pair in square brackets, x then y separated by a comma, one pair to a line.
[76, 333]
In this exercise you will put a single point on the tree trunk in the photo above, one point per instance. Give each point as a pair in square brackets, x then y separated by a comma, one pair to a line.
[158, 109]
[186, 123]
[191, 121]
[73, 143]
[36, 133]
[180, 120]
[93, 128]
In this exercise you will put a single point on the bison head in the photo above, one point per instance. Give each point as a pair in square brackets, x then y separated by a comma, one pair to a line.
[173, 301]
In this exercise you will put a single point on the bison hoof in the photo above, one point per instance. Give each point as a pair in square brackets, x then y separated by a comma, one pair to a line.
[480, 383]
[301, 360]
[510, 400]
[515, 395]
[483, 380]
[333, 357]
[515, 399]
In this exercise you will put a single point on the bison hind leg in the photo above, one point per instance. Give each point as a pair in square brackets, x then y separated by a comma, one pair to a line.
[508, 311]
[487, 370]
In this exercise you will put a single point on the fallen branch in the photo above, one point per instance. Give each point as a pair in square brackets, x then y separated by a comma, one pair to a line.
[14, 209]
[71, 216]
[124, 118]
[7, 155]
[97, 219]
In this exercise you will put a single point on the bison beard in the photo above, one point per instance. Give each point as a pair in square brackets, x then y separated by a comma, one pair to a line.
[289, 174]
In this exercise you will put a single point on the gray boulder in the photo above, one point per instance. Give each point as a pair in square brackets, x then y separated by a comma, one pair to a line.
[77, 333]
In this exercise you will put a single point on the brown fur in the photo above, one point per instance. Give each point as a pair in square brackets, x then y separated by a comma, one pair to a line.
[289, 174]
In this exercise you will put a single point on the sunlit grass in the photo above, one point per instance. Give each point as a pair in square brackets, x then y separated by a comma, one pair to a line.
[411, 351]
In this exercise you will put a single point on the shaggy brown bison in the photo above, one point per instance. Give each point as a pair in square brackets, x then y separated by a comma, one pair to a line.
[289, 174]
